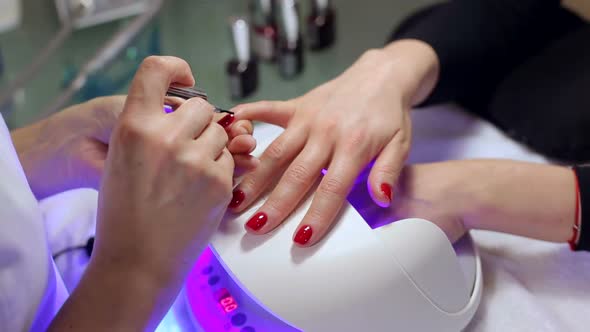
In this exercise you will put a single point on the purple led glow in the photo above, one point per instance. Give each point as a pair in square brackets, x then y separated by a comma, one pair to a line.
[209, 316]
[222, 305]
[360, 198]
[168, 109]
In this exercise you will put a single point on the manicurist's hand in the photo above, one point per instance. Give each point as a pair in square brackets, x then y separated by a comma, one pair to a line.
[167, 184]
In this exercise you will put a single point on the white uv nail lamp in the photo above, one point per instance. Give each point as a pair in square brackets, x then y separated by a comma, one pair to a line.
[370, 274]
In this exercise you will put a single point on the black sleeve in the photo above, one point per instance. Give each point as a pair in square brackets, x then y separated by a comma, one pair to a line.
[583, 178]
[479, 42]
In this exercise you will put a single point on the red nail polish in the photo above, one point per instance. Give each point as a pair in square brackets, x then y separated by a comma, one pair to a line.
[227, 120]
[386, 190]
[237, 199]
[303, 235]
[257, 221]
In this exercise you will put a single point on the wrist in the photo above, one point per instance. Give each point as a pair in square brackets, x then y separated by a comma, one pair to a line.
[416, 65]
[124, 298]
[25, 139]
[526, 199]
[458, 190]
[29, 148]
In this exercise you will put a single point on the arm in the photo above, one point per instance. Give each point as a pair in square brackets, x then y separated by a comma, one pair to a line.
[479, 42]
[520, 198]
[526, 199]
[115, 298]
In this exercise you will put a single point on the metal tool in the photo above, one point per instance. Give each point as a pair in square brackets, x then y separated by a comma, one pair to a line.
[188, 93]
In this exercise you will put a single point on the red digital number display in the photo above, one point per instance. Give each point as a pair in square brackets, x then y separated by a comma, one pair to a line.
[226, 301]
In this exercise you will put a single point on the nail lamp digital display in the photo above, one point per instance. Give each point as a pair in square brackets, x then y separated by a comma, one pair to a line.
[370, 273]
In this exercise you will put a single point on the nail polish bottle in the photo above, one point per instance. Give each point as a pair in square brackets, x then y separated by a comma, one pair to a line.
[265, 29]
[290, 41]
[321, 26]
[242, 71]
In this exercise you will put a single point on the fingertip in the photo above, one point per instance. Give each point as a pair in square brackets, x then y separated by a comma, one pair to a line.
[303, 236]
[256, 223]
[243, 144]
[381, 193]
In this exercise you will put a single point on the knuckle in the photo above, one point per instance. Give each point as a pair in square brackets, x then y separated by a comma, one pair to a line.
[194, 165]
[316, 215]
[220, 134]
[166, 143]
[153, 63]
[333, 187]
[131, 131]
[298, 174]
[249, 184]
[276, 150]
[389, 172]
[356, 140]
[327, 125]
[201, 104]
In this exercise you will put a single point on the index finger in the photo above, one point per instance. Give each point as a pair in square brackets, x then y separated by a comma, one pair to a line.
[154, 76]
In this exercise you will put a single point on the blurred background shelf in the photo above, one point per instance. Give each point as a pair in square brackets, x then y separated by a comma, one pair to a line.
[195, 30]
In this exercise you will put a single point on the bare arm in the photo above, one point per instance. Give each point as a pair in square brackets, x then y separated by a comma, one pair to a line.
[521, 198]
[532, 200]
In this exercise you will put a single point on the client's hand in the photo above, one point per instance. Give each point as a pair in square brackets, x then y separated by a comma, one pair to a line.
[68, 149]
[342, 125]
[167, 183]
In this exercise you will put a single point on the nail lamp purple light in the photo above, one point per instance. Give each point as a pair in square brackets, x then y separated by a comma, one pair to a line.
[368, 274]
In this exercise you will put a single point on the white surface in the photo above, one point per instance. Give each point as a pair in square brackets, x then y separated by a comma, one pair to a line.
[357, 278]
[10, 14]
[28, 278]
[528, 285]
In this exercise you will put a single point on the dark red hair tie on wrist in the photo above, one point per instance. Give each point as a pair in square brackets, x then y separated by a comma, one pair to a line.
[580, 241]
[573, 242]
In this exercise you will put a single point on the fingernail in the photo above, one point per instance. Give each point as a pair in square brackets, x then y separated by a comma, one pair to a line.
[257, 221]
[386, 190]
[303, 235]
[226, 120]
[237, 199]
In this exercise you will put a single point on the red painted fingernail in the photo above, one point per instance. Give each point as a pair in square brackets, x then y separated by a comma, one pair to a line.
[303, 235]
[237, 199]
[227, 120]
[386, 190]
[257, 221]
